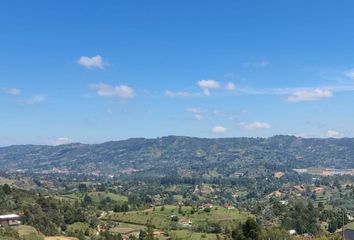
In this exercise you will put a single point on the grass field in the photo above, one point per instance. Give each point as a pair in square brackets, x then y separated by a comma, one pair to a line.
[185, 234]
[25, 230]
[4, 181]
[96, 196]
[60, 238]
[349, 226]
[162, 219]
[7, 238]
[78, 226]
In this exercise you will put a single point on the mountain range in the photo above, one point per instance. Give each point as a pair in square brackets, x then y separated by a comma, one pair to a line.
[186, 155]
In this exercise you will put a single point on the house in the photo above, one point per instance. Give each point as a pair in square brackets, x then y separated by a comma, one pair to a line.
[186, 223]
[277, 194]
[318, 190]
[9, 220]
[228, 206]
[208, 205]
[299, 188]
[158, 234]
[205, 207]
[279, 175]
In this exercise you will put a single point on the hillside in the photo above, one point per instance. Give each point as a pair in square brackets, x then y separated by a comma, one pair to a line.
[158, 156]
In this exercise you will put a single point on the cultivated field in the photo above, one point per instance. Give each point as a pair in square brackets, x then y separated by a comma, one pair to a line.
[161, 219]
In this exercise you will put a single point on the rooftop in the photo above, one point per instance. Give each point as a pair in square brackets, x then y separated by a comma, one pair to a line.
[9, 216]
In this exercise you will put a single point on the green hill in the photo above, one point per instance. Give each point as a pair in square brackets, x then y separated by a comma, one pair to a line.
[156, 157]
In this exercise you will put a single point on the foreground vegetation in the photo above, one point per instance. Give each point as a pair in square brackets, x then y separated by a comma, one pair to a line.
[212, 189]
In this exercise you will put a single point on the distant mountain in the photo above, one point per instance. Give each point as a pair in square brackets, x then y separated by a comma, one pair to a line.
[188, 155]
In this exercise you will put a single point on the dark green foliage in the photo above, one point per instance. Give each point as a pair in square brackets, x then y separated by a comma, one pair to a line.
[9, 232]
[303, 218]
[250, 230]
[7, 189]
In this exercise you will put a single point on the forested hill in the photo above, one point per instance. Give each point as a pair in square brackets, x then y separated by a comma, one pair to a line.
[188, 155]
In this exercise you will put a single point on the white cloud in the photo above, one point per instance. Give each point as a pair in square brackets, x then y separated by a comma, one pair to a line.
[230, 86]
[255, 125]
[260, 64]
[11, 91]
[61, 141]
[206, 85]
[92, 62]
[106, 90]
[198, 112]
[349, 73]
[219, 129]
[333, 134]
[309, 95]
[219, 113]
[177, 94]
[34, 100]
[330, 89]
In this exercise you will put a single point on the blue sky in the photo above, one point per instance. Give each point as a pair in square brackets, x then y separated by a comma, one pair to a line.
[93, 71]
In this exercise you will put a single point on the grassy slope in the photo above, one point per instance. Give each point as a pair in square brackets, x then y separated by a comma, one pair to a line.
[185, 234]
[161, 219]
[96, 196]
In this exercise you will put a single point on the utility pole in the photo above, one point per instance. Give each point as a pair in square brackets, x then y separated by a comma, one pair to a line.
[343, 223]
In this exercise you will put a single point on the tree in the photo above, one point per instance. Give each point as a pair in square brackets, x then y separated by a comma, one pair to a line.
[9, 232]
[82, 187]
[251, 229]
[87, 200]
[7, 189]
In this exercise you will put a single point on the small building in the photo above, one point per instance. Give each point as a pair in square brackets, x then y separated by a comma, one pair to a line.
[228, 206]
[9, 220]
[158, 234]
[277, 194]
[299, 188]
[318, 190]
[279, 175]
[186, 223]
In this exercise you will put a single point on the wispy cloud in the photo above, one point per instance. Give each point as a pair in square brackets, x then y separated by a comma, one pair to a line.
[230, 86]
[261, 64]
[92, 62]
[11, 91]
[219, 130]
[177, 94]
[219, 113]
[198, 113]
[39, 98]
[349, 73]
[309, 95]
[299, 94]
[106, 90]
[255, 125]
[196, 110]
[206, 85]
